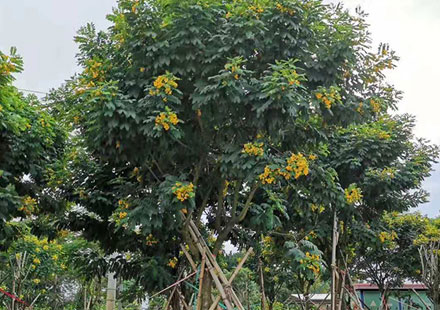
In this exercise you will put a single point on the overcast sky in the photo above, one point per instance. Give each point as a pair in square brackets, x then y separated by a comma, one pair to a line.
[43, 32]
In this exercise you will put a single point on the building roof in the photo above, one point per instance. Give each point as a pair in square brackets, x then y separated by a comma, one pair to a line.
[312, 297]
[406, 286]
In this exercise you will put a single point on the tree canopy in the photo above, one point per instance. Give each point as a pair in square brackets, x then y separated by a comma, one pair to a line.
[259, 120]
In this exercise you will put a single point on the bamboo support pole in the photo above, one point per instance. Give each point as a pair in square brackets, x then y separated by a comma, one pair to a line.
[173, 291]
[234, 274]
[201, 242]
[211, 268]
[189, 258]
[202, 273]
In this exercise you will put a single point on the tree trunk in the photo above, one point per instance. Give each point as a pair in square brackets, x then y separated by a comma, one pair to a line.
[206, 291]
[111, 291]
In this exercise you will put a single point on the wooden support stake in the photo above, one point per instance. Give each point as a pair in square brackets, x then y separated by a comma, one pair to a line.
[263, 295]
[211, 268]
[219, 286]
[201, 242]
[234, 274]
[421, 299]
[202, 273]
[182, 299]
[172, 292]
[189, 258]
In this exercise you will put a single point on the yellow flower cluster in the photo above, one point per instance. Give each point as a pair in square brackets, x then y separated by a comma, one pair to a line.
[123, 204]
[134, 7]
[386, 236]
[122, 215]
[385, 173]
[94, 69]
[312, 262]
[316, 208]
[360, 108]
[28, 205]
[328, 97]
[353, 195]
[375, 132]
[150, 240]
[6, 65]
[166, 82]
[257, 9]
[173, 262]
[298, 163]
[268, 176]
[267, 246]
[375, 106]
[284, 9]
[36, 281]
[164, 119]
[183, 192]
[253, 149]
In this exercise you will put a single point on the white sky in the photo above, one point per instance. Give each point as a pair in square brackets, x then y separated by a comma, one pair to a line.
[43, 32]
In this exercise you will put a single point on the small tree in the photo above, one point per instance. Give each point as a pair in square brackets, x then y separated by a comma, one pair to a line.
[429, 251]
[387, 254]
[30, 140]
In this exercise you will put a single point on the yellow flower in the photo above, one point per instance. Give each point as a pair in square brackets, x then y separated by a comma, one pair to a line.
[253, 149]
[36, 261]
[228, 15]
[267, 177]
[183, 192]
[353, 195]
[33, 267]
[122, 215]
[164, 119]
[55, 257]
[45, 247]
[173, 262]
[150, 240]
[299, 164]
[36, 281]
[236, 76]
[142, 69]
[375, 106]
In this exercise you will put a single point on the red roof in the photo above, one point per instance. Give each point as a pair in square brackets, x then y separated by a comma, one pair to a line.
[406, 286]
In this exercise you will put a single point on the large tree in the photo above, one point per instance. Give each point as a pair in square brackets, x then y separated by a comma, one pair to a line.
[30, 140]
[246, 116]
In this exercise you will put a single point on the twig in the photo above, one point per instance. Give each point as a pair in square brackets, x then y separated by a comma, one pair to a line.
[172, 285]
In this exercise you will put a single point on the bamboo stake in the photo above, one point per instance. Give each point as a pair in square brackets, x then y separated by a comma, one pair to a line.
[202, 273]
[333, 265]
[173, 291]
[172, 285]
[219, 286]
[211, 269]
[263, 295]
[421, 299]
[189, 258]
[350, 281]
[182, 299]
[236, 271]
[341, 293]
[201, 242]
